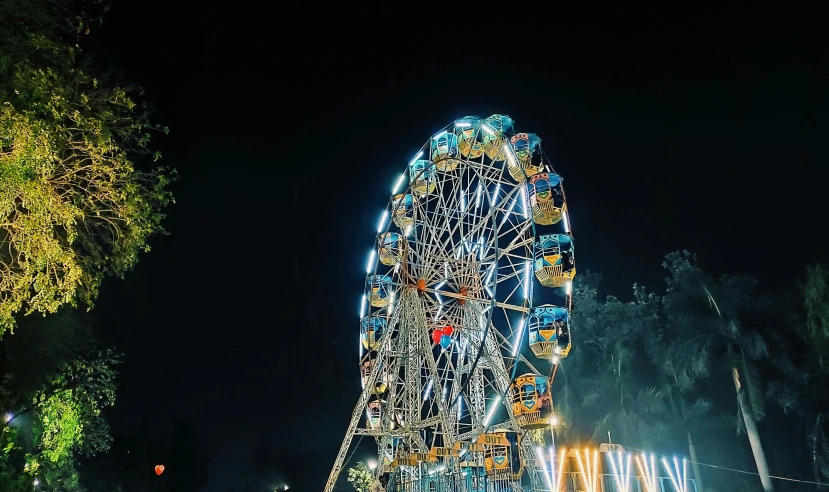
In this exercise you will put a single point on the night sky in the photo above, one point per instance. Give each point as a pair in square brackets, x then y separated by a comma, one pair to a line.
[289, 127]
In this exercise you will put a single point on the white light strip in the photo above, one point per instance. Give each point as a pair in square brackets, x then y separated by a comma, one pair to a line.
[370, 263]
[361, 343]
[621, 474]
[382, 222]
[508, 151]
[516, 344]
[478, 195]
[508, 211]
[398, 184]
[539, 452]
[527, 279]
[462, 124]
[648, 473]
[363, 307]
[524, 201]
[492, 410]
[437, 136]
[481, 248]
[566, 222]
[559, 477]
[495, 194]
[428, 390]
[679, 480]
[418, 156]
[569, 287]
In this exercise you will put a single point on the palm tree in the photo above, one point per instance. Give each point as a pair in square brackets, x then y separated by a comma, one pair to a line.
[628, 406]
[707, 315]
[600, 380]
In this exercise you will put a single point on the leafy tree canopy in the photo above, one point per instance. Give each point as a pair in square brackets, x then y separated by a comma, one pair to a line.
[52, 415]
[360, 477]
[74, 207]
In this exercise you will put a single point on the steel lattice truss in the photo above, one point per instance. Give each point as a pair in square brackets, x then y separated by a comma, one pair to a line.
[450, 285]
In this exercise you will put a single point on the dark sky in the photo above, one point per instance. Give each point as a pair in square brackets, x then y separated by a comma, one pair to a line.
[289, 127]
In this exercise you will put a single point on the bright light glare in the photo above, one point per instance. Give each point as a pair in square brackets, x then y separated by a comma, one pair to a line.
[526, 279]
[382, 222]
[398, 184]
[566, 222]
[418, 156]
[554, 420]
[648, 473]
[428, 390]
[487, 129]
[516, 344]
[372, 464]
[492, 410]
[509, 154]
[9, 417]
[539, 452]
[36, 482]
[678, 480]
[495, 194]
[524, 201]
[363, 306]
[621, 473]
[569, 287]
[462, 124]
[556, 359]
[370, 263]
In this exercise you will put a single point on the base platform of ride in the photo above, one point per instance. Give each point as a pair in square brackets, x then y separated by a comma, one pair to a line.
[570, 482]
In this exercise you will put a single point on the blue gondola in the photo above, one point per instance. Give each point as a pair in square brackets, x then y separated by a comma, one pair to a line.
[468, 130]
[445, 153]
[549, 328]
[546, 198]
[379, 290]
[422, 176]
[390, 248]
[403, 211]
[495, 131]
[555, 263]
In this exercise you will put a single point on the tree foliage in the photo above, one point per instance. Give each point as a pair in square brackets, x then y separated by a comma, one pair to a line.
[74, 206]
[658, 371]
[54, 414]
[360, 477]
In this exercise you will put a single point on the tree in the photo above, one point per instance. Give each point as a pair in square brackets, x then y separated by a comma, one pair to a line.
[603, 389]
[707, 315]
[54, 417]
[816, 383]
[360, 477]
[74, 207]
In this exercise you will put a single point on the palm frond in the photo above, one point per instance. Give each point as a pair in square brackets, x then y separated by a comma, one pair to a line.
[785, 395]
[699, 410]
[649, 401]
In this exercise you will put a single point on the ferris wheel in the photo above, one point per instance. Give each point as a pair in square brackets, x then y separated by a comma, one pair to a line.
[465, 314]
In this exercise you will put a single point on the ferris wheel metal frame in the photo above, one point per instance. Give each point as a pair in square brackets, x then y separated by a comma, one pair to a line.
[455, 260]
